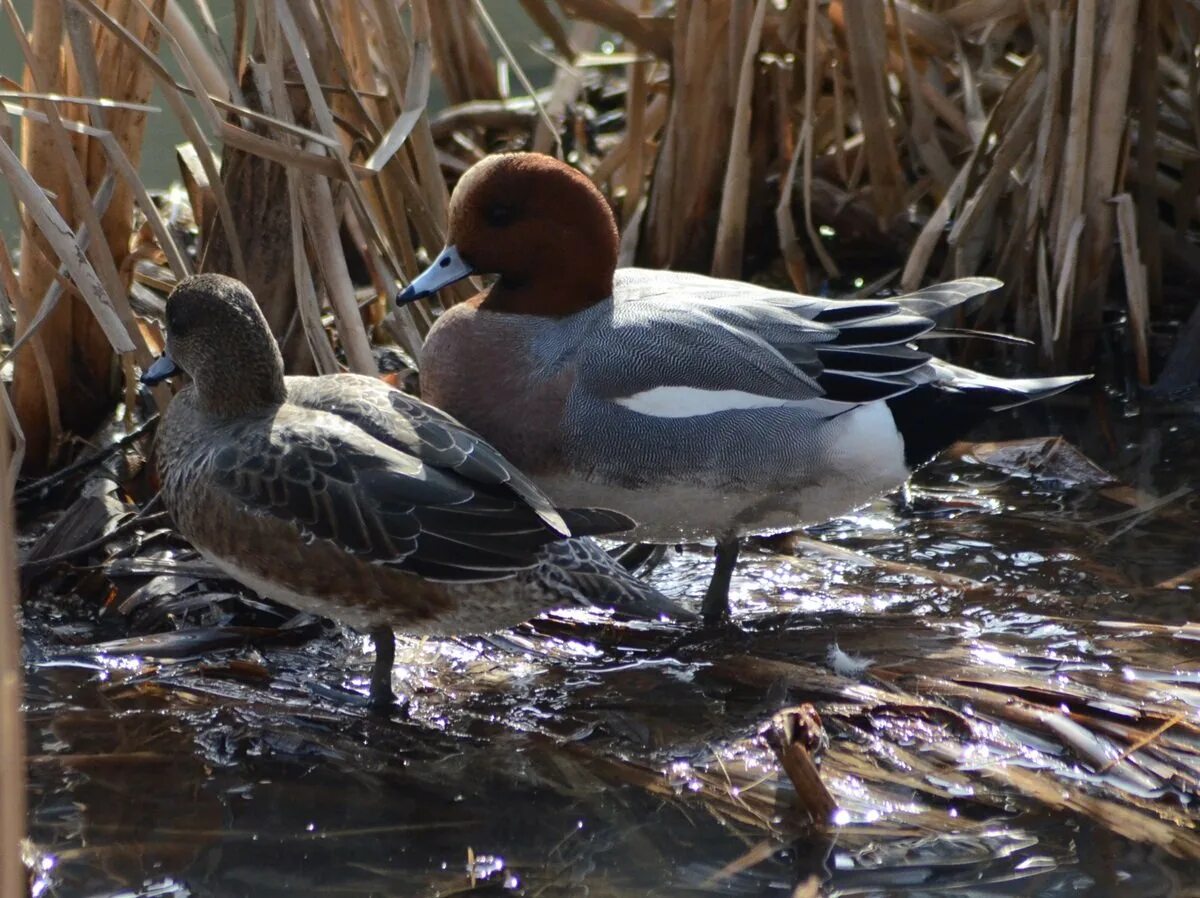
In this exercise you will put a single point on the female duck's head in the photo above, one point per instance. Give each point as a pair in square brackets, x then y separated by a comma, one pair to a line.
[539, 225]
[217, 334]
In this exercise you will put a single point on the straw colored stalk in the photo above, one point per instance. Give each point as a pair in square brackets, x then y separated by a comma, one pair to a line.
[461, 53]
[1148, 87]
[258, 191]
[640, 30]
[731, 226]
[12, 731]
[74, 343]
[680, 228]
[867, 47]
[1106, 148]
[633, 170]
[363, 89]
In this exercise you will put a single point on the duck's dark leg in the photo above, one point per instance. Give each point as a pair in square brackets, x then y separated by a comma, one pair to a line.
[716, 598]
[382, 696]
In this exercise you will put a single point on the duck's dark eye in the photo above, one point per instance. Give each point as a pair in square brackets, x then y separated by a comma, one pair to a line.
[498, 215]
[179, 319]
[176, 324]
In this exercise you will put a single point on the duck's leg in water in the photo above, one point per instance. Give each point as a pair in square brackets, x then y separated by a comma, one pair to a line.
[716, 598]
[383, 698]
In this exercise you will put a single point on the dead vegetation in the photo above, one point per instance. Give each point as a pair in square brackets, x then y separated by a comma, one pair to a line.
[832, 144]
[1053, 145]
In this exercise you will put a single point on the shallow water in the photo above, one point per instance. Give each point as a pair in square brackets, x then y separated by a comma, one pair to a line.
[1022, 634]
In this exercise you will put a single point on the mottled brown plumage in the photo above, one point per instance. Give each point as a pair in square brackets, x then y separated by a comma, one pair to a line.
[342, 496]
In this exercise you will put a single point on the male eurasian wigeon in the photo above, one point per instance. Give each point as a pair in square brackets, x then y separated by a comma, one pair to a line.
[344, 497]
[699, 407]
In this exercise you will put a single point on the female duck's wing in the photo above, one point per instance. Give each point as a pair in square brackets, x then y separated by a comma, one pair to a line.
[424, 432]
[332, 481]
[682, 345]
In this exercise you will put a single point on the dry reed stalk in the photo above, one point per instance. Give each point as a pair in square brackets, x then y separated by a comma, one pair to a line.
[409, 193]
[320, 217]
[922, 127]
[219, 80]
[8, 287]
[308, 306]
[257, 188]
[564, 91]
[78, 345]
[12, 728]
[1106, 148]
[976, 225]
[461, 53]
[633, 172]
[1073, 170]
[1045, 161]
[174, 95]
[641, 31]
[1137, 291]
[789, 241]
[551, 128]
[304, 51]
[1148, 88]
[731, 223]
[806, 141]
[620, 159]
[794, 735]
[541, 15]
[679, 228]
[426, 172]
[867, 46]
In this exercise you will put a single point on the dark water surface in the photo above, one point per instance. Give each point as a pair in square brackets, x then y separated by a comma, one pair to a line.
[979, 753]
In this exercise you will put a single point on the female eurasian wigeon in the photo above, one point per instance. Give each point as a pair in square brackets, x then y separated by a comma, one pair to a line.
[344, 497]
[699, 407]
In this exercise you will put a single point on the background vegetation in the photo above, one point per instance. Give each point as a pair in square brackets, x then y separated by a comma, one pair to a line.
[854, 144]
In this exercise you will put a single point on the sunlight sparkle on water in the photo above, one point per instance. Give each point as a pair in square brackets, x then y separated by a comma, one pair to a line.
[131, 663]
[986, 655]
[485, 866]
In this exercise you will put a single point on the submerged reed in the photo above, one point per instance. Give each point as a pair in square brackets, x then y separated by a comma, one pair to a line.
[12, 730]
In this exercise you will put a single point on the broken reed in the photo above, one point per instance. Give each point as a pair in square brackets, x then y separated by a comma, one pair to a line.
[12, 728]
[932, 140]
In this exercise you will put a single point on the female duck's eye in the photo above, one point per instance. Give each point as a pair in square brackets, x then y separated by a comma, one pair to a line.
[498, 215]
[177, 322]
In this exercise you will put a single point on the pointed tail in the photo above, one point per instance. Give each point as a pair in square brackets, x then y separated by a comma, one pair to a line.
[953, 400]
[584, 574]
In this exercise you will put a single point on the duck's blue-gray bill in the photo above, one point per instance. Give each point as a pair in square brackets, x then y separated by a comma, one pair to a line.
[447, 268]
[164, 366]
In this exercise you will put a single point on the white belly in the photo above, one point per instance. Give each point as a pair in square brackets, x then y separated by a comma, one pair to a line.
[860, 456]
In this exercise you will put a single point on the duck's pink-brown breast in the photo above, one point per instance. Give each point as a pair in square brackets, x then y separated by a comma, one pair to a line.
[476, 365]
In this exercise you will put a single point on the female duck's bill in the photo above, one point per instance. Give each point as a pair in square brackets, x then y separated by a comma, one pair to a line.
[163, 368]
[448, 268]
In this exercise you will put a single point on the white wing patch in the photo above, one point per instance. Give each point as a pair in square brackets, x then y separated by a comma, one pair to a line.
[690, 402]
